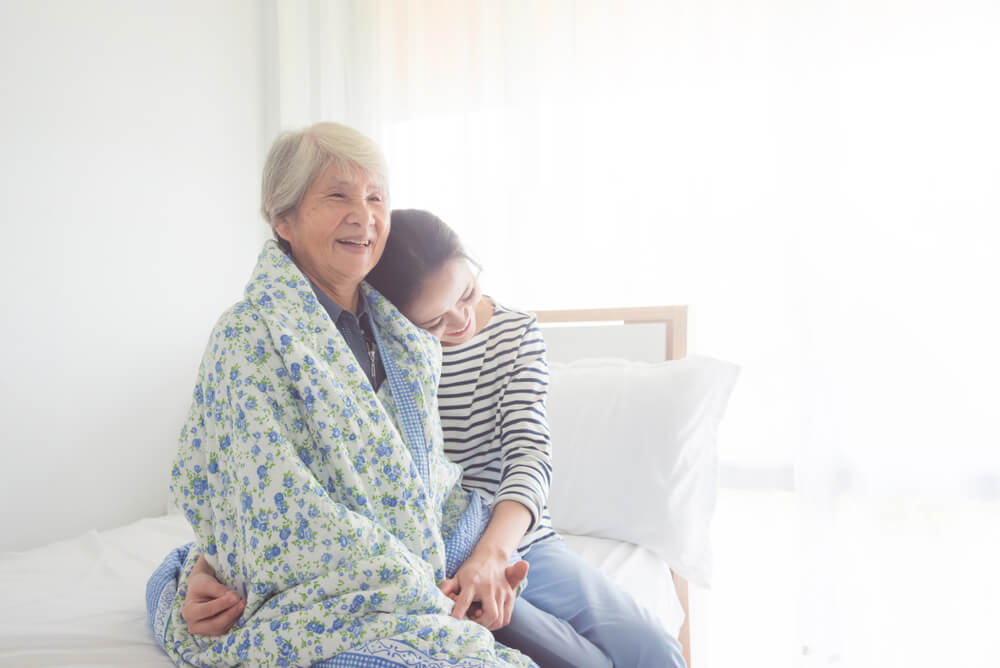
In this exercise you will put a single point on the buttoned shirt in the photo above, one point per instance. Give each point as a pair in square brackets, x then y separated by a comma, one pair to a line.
[358, 330]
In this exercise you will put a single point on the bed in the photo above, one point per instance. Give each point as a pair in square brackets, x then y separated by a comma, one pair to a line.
[81, 601]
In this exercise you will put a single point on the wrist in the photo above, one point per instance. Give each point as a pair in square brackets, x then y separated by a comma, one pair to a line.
[490, 550]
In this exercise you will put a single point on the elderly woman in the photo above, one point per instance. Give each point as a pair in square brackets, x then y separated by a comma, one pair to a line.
[311, 465]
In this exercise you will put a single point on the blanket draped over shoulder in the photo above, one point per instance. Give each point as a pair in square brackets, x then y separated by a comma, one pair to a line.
[330, 507]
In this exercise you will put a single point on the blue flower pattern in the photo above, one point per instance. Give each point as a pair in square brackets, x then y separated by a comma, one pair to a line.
[304, 494]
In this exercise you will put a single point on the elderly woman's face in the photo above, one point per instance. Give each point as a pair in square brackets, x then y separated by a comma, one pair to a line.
[338, 231]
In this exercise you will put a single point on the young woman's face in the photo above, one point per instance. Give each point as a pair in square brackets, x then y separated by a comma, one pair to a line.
[446, 303]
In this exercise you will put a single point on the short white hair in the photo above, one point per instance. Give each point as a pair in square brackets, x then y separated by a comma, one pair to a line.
[297, 158]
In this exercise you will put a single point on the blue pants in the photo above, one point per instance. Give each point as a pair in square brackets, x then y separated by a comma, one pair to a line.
[571, 616]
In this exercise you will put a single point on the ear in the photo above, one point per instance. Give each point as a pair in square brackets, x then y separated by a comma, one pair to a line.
[283, 225]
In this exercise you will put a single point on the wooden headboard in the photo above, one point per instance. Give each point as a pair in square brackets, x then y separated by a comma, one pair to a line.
[675, 319]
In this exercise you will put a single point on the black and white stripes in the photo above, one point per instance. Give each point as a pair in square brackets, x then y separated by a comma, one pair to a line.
[492, 405]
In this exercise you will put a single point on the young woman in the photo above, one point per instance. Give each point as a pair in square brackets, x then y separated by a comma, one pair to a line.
[491, 397]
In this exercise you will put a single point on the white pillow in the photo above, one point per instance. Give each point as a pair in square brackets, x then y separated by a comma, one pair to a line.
[634, 453]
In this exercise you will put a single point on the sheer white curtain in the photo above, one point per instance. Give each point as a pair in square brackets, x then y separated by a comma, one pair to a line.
[819, 179]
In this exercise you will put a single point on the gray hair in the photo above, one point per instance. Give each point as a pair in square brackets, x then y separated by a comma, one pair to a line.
[297, 158]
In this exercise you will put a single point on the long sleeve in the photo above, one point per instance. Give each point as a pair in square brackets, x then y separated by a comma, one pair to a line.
[524, 431]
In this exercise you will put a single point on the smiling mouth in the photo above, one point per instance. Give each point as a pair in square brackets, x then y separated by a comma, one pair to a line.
[463, 330]
[352, 242]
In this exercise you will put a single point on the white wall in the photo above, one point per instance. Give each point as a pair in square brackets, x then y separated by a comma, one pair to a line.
[132, 141]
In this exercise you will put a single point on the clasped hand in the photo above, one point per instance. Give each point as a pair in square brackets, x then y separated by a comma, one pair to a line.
[210, 608]
[483, 590]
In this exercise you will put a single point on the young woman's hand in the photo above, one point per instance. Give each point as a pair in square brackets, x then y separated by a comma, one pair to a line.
[211, 608]
[483, 589]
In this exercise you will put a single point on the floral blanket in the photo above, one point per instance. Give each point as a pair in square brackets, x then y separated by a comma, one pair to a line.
[331, 508]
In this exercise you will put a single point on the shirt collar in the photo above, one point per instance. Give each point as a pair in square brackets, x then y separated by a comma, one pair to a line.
[334, 309]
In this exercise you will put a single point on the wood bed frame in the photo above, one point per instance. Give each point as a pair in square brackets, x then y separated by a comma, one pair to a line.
[675, 320]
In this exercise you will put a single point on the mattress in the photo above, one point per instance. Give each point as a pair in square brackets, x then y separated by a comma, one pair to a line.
[82, 601]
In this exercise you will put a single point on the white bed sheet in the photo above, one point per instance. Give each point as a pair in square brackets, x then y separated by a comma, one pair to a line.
[81, 602]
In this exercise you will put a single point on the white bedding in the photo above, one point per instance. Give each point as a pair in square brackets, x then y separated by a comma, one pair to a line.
[82, 601]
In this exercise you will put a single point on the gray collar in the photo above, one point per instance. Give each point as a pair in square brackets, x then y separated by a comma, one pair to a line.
[334, 309]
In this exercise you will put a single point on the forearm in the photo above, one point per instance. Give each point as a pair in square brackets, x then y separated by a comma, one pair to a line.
[526, 441]
[485, 577]
[507, 527]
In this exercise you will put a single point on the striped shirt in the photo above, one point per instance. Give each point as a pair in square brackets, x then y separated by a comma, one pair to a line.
[492, 404]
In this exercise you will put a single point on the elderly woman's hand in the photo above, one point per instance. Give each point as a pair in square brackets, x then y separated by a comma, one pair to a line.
[211, 608]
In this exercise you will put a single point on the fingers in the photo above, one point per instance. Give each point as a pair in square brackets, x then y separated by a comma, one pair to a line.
[206, 589]
[210, 608]
[477, 614]
[487, 600]
[492, 608]
[449, 587]
[196, 611]
[463, 602]
[516, 573]
[220, 623]
[508, 610]
[502, 605]
[203, 587]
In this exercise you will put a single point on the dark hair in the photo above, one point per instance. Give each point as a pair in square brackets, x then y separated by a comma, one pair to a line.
[419, 244]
